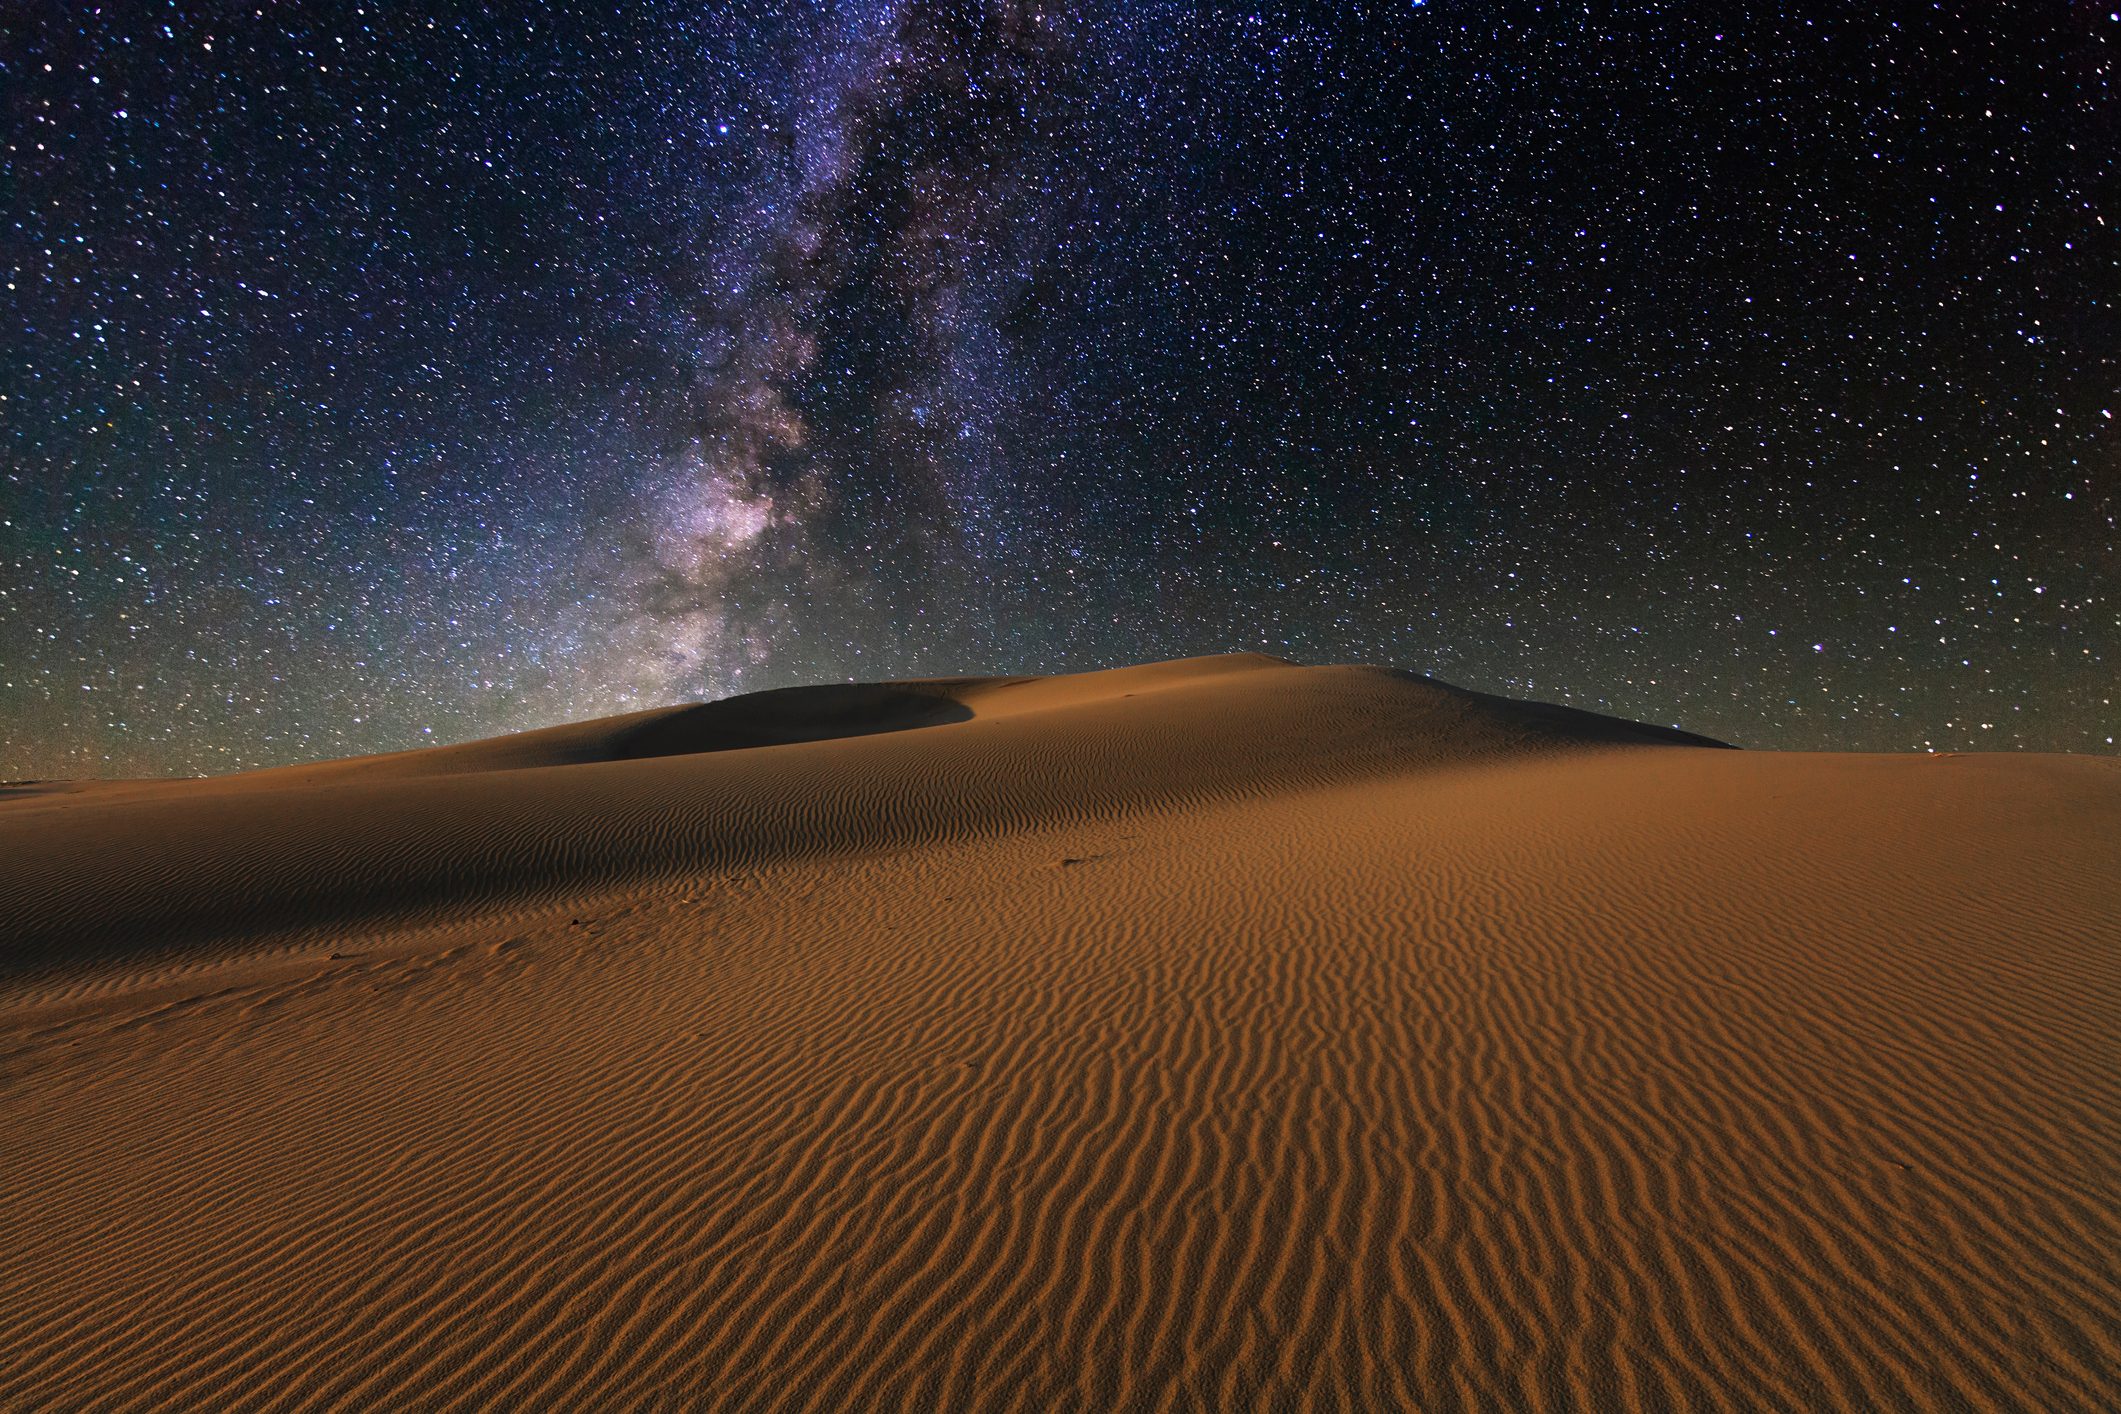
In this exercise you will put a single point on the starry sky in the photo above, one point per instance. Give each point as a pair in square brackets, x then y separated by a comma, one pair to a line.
[389, 374]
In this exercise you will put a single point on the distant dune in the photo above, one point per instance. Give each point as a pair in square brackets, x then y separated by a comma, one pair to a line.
[1219, 1034]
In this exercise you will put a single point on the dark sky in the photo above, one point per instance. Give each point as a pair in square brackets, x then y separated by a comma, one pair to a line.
[377, 376]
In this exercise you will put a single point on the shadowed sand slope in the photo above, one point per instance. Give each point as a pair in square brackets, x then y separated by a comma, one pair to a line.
[1211, 1035]
[536, 818]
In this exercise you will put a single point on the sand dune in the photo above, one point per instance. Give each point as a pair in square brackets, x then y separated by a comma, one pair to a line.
[1210, 1035]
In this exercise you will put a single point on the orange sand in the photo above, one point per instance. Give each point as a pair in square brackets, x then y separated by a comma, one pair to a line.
[1212, 1035]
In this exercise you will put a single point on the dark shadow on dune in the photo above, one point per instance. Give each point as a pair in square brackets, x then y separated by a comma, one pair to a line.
[1571, 724]
[788, 715]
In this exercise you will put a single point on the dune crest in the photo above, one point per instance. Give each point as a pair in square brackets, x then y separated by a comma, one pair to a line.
[531, 820]
[1216, 1034]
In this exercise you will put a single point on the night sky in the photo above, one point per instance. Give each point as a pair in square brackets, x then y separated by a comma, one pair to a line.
[395, 375]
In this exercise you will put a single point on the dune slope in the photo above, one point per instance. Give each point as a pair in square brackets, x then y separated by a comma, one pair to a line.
[1220, 1034]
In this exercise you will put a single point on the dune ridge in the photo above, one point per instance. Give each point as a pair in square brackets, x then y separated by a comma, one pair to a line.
[524, 820]
[1211, 1035]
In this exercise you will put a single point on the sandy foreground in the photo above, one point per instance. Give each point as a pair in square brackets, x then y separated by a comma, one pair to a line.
[1212, 1035]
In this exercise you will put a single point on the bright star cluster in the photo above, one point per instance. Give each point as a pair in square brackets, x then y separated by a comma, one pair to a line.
[379, 374]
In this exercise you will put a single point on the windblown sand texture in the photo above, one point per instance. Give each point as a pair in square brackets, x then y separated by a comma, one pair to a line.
[1213, 1035]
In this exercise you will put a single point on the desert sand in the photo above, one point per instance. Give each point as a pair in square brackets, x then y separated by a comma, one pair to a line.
[1215, 1035]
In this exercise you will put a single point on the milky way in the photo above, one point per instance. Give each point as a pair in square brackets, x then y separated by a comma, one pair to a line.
[913, 186]
[381, 376]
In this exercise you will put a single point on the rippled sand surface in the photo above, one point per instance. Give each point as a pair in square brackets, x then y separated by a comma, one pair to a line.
[1212, 1035]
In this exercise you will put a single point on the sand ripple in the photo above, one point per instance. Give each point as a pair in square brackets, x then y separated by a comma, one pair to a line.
[1248, 1042]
